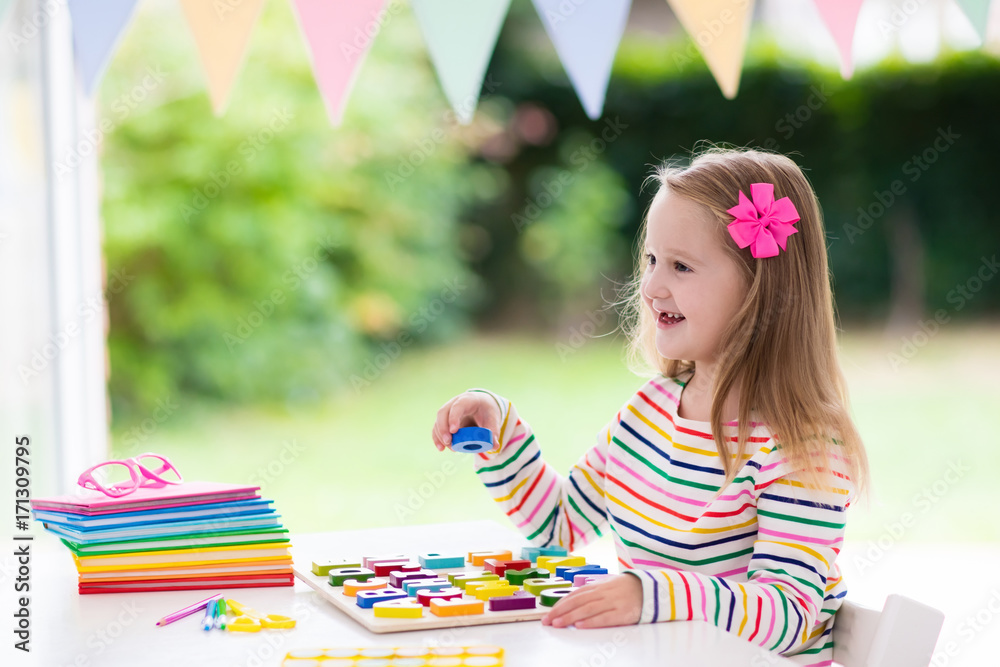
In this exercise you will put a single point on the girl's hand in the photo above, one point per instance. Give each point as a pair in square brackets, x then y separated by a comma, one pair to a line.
[601, 604]
[473, 408]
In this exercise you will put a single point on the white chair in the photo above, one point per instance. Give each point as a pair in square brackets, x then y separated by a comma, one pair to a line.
[903, 634]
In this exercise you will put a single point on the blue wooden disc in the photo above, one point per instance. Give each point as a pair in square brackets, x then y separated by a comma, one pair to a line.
[472, 439]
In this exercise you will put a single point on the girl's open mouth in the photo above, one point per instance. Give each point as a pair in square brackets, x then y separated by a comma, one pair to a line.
[669, 319]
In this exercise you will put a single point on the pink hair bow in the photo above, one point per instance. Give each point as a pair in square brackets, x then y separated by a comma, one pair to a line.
[763, 224]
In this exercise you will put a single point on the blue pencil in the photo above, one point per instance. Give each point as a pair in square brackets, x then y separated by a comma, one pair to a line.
[211, 611]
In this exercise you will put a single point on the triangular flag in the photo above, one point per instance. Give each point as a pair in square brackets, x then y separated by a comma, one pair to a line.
[840, 17]
[978, 12]
[222, 32]
[586, 37]
[461, 36]
[97, 27]
[339, 34]
[719, 28]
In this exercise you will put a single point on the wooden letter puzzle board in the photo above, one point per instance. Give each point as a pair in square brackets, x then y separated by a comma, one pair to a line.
[428, 621]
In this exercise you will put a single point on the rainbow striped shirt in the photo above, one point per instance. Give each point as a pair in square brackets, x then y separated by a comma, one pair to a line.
[758, 559]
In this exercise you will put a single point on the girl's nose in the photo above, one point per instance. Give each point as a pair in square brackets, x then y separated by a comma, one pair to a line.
[654, 288]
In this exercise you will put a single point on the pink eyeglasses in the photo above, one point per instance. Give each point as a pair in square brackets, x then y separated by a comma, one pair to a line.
[145, 470]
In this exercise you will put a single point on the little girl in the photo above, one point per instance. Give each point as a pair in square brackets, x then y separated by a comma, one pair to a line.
[725, 478]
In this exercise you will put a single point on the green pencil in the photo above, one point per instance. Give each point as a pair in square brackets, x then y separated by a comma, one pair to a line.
[220, 620]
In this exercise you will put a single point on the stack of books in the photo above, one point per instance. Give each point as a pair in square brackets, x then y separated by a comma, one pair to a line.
[185, 536]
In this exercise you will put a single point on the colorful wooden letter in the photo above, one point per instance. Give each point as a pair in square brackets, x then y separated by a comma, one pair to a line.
[368, 560]
[517, 577]
[553, 550]
[410, 567]
[414, 585]
[457, 607]
[519, 600]
[498, 567]
[495, 566]
[536, 586]
[462, 580]
[550, 563]
[567, 572]
[533, 553]
[397, 578]
[339, 575]
[399, 608]
[491, 589]
[366, 599]
[550, 597]
[425, 597]
[382, 568]
[519, 564]
[323, 567]
[452, 576]
[352, 587]
[436, 561]
[478, 558]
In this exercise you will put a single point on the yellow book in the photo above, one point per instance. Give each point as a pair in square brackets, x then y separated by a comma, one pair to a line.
[240, 572]
[276, 565]
[179, 557]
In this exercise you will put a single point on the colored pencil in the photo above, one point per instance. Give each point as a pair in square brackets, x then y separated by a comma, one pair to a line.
[186, 611]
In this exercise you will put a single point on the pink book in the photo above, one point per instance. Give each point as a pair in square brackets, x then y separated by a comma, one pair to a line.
[91, 503]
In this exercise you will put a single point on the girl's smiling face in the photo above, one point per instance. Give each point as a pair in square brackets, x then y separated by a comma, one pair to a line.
[689, 273]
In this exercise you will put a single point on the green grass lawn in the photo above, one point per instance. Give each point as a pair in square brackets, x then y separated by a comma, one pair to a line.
[364, 459]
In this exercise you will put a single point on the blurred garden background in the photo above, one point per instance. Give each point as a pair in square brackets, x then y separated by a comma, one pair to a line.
[297, 320]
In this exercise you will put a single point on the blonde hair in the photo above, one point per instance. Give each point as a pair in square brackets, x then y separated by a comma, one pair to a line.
[781, 347]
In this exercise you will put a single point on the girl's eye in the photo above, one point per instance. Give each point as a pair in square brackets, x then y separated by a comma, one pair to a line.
[681, 267]
[650, 260]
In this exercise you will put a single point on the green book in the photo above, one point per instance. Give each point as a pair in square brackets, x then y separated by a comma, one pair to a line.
[217, 539]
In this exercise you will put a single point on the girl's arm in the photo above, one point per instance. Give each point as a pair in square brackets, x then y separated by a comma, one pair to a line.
[546, 507]
[799, 535]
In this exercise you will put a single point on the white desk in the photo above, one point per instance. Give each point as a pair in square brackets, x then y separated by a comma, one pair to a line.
[119, 629]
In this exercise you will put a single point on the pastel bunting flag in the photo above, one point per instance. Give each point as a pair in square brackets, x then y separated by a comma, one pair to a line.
[339, 34]
[841, 17]
[978, 12]
[97, 27]
[222, 33]
[586, 37]
[719, 28]
[461, 36]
